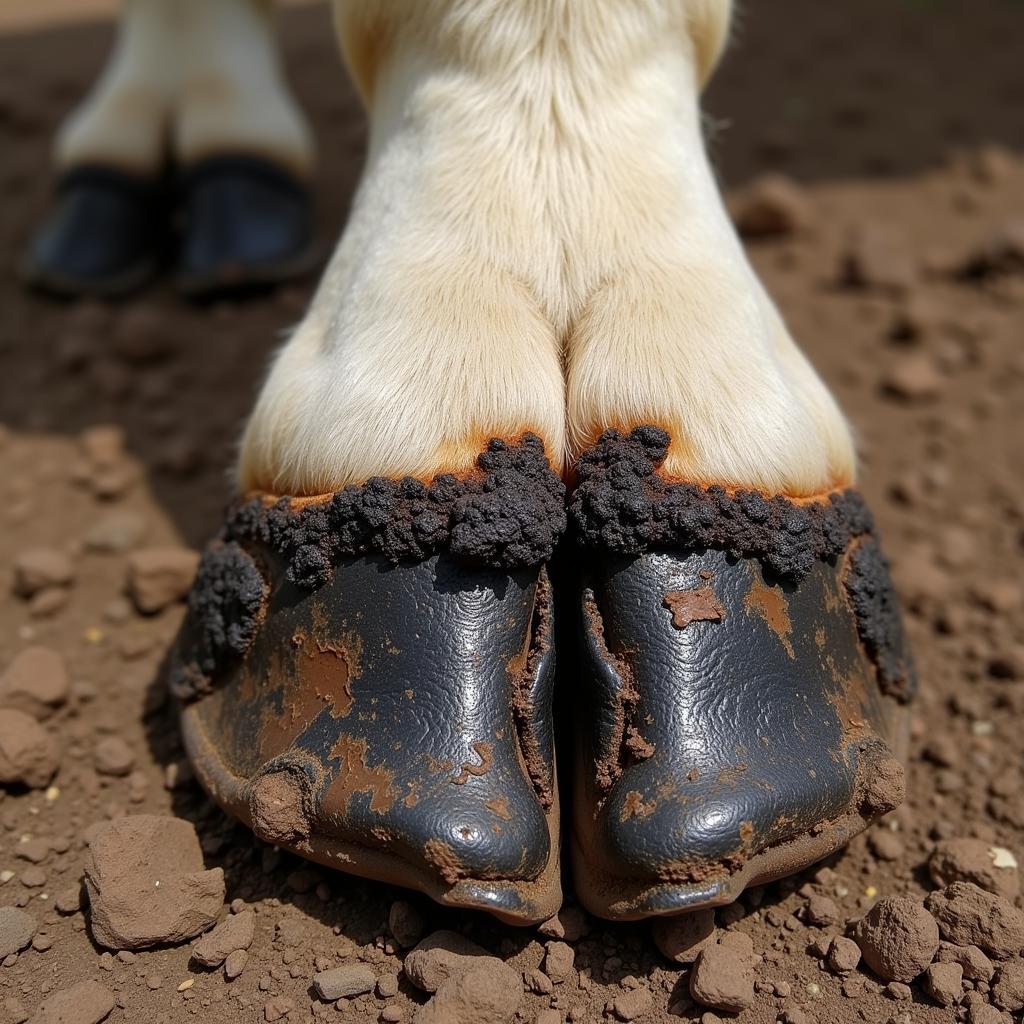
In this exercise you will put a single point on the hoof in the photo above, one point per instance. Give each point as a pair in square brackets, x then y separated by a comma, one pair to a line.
[247, 224]
[105, 237]
[745, 659]
[366, 680]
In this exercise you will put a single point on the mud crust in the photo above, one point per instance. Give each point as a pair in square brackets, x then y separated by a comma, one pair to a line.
[509, 514]
[621, 505]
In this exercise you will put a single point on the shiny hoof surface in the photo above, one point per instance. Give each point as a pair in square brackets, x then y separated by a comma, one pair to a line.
[366, 680]
[740, 732]
[246, 224]
[106, 235]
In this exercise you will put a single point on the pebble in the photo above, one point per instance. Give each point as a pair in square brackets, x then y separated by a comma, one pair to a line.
[28, 753]
[235, 963]
[558, 961]
[489, 992]
[116, 533]
[821, 912]
[69, 900]
[898, 938]
[879, 256]
[277, 1008]
[975, 965]
[40, 568]
[944, 983]
[914, 378]
[843, 955]
[681, 938]
[405, 923]
[969, 916]
[343, 981]
[570, 924]
[159, 577]
[634, 1004]
[36, 682]
[88, 1002]
[1008, 986]
[147, 885]
[772, 205]
[972, 860]
[16, 930]
[234, 933]
[112, 756]
[723, 978]
[441, 955]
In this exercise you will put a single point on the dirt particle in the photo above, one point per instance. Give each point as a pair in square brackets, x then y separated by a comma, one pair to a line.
[277, 805]
[236, 932]
[944, 983]
[39, 569]
[723, 978]
[969, 916]
[484, 751]
[489, 992]
[843, 955]
[441, 955]
[1008, 986]
[159, 577]
[112, 756]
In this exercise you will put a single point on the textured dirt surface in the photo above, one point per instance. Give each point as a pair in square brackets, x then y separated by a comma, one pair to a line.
[896, 254]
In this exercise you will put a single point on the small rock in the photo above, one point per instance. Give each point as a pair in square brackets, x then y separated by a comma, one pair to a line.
[235, 963]
[36, 682]
[944, 983]
[879, 256]
[346, 980]
[115, 533]
[234, 933]
[1008, 986]
[16, 930]
[488, 993]
[914, 378]
[821, 912]
[723, 979]
[885, 845]
[441, 955]
[40, 568]
[28, 753]
[632, 1004]
[558, 961]
[277, 1008]
[975, 965]
[147, 885]
[570, 924]
[898, 938]
[772, 205]
[69, 900]
[405, 923]
[969, 916]
[681, 938]
[88, 1002]
[158, 577]
[843, 955]
[973, 860]
[112, 756]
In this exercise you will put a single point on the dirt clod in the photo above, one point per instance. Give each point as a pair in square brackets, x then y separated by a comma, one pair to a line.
[681, 938]
[970, 916]
[723, 978]
[158, 577]
[944, 983]
[112, 756]
[147, 884]
[346, 980]
[488, 993]
[28, 753]
[39, 569]
[88, 1002]
[974, 860]
[898, 938]
[234, 933]
[16, 930]
[441, 955]
[36, 682]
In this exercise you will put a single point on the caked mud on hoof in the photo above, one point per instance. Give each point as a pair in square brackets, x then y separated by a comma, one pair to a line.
[366, 679]
[247, 224]
[746, 661]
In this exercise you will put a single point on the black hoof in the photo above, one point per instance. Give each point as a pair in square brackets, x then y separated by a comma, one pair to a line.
[105, 237]
[247, 223]
[745, 659]
[367, 680]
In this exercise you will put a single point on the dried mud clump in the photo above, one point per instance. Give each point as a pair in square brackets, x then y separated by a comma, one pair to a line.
[225, 608]
[509, 514]
[898, 938]
[623, 506]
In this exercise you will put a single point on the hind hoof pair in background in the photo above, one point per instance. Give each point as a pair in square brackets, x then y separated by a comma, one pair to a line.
[540, 409]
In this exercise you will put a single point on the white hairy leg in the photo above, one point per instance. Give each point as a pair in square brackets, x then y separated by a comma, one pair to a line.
[233, 97]
[124, 121]
[537, 191]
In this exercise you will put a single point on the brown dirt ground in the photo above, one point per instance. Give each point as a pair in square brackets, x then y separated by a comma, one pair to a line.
[882, 113]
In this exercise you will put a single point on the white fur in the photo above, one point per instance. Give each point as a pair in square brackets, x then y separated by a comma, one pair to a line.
[124, 121]
[538, 243]
[233, 96]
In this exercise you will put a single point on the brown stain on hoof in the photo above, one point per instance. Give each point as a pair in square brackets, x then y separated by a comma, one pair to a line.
[499, 806]
[329, 667]
[355, 776]
[486, 754]
[440, 856]
[700, 605]
[634, 806]
[770, 604]
[277, 805]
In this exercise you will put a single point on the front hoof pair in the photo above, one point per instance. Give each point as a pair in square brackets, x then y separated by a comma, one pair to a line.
[368, 678]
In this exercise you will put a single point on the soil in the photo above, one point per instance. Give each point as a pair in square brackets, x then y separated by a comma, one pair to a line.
[894, 250]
